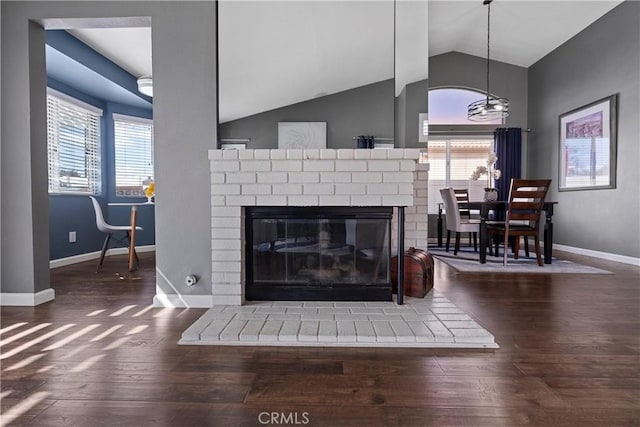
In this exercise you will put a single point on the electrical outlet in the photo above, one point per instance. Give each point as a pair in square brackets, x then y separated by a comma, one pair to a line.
[72, 237]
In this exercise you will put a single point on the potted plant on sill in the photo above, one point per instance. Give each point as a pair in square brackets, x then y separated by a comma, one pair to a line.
[490, 192]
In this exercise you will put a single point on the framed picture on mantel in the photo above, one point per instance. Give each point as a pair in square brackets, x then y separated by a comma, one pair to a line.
[588, 140]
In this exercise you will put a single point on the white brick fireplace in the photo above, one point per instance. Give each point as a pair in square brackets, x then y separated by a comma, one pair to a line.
[329, 177]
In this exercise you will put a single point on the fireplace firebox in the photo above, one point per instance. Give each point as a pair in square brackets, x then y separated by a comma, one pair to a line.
[318, 253]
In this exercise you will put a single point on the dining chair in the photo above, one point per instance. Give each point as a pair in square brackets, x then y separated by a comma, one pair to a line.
[454, 222]
[109, 229]
[526, 201]
[462, 197]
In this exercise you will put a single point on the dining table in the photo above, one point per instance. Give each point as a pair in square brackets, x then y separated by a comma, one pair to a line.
[133, 221]
[486, 208]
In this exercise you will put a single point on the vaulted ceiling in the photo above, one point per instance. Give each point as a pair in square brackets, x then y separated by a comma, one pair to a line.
[276, 53]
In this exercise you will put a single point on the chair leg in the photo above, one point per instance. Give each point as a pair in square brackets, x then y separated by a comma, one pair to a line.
[448, 240]
[506, 249]
[456, 248]
[104, 251]
[526, 246]
[135, 254]
[475, 242]
[537, 243]
[516, 247]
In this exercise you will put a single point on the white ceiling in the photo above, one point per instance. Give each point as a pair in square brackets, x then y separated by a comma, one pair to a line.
[275, 53]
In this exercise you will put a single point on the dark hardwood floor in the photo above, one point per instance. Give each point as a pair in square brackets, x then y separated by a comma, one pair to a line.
[101, 355]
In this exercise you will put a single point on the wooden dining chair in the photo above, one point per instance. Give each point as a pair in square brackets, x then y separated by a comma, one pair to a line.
[526, 201]
[454, 222]
[462, 197]
[109, 229]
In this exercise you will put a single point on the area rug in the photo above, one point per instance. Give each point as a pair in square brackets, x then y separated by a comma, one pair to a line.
[467, 261]
[431, 322]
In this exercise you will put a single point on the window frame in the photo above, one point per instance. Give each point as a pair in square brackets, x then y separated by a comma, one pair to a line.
[94, 184]
[127, 118]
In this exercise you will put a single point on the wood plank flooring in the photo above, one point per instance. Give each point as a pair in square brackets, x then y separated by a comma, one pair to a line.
[101, 355]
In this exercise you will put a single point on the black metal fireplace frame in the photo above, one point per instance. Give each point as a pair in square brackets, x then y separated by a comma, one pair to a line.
[312, 292]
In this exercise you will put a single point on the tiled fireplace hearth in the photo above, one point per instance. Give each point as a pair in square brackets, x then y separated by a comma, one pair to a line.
[313, 178]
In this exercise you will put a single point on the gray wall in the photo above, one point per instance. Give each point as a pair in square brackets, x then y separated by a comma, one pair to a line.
[412, 100]
[185, 116]
[366, 110]
[600, 61]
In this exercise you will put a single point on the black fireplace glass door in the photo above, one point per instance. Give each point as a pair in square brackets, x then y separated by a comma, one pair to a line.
[318, 253]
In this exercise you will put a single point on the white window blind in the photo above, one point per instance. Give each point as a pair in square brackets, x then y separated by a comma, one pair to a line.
[133, 154]
[73, 145]
[451, 163]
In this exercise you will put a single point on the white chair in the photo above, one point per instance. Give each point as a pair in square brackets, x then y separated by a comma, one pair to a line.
[109, 230]
[454, 222]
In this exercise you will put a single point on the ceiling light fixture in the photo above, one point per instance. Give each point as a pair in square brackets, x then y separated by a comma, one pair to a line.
[145, 85]
[489, 108]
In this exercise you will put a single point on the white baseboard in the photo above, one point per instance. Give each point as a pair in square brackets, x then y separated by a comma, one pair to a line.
[597, 254]
[61, 262]
[26, 299]
[183, 301]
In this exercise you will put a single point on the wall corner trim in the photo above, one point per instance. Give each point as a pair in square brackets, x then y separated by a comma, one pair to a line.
[27, 299]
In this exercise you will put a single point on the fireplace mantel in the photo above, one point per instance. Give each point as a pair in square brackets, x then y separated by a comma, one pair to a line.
[328, 177]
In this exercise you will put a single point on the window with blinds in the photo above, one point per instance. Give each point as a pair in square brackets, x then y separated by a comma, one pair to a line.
[133, 154]
[451, 163]
[73, 145]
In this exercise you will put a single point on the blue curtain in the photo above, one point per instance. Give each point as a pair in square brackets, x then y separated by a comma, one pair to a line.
[508, 148]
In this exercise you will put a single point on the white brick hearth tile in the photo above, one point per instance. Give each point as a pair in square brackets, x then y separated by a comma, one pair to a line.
[395, 154]
[364, 331]
[276, 154]
[351, 166]
[446, 310]
[407, 165]
[262, 154]
[238, 200]
[232, 330]
[408, 189]
[232, 300]
[264, 323]
[303, 200]
[308, 330]
[230, 154]
[346, 331]
[289, 331]
[368, 200]
[444, 317]
[419, 317]
[294, 154]
[225, 233]
[241, 177]
[271, 178]
[412, 153]
[328, 331]
[251, 330]
[218, 201]
[280, 200]
[341, 177]
[367, 177]
[335, 200]
[384, 332]
[225, 189]
[345, 153]
[400, 177]
[226, 266]
[351, 189]
[379, 154]
[270, 330]
[286, 165]
[367, 310]
[402, 331]
[304, 177]
[256, 166]
[287, 189]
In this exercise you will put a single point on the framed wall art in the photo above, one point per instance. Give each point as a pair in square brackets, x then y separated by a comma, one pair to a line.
[588, 140]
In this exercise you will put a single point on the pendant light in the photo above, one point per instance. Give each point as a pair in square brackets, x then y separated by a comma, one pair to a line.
[490, 107]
